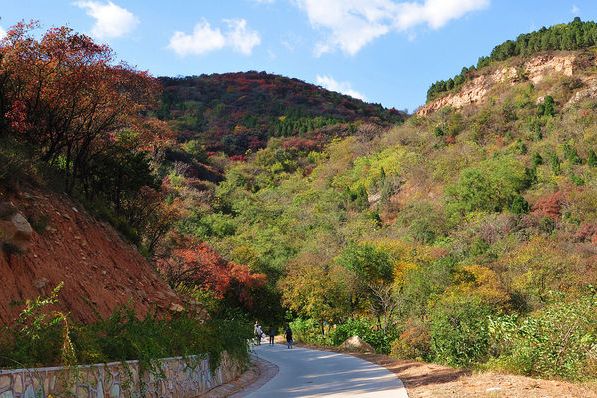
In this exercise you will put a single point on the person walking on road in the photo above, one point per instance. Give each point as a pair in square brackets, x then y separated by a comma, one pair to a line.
[258, 333]
[272, 334]
[289, 340]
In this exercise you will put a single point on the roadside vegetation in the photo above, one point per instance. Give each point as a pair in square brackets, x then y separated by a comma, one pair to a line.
[42, 336]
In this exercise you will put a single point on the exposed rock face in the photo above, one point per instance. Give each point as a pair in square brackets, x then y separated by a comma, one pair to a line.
[535, 70]
[588, 91]
[100, 271]
[355, 343]
[15, 230]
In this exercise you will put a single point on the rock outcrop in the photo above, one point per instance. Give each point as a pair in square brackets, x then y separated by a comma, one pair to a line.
[15, 230]
[534, 70]
[355, 343]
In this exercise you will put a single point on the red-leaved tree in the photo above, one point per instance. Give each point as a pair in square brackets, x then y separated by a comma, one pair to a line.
[201, 266]
[64, 95]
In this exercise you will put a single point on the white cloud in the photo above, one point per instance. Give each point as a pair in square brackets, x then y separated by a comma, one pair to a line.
[575, 10]
[205, 38]
[240, 38]
[332, 84]
[352, 24]
[111, 20]
[2, 33]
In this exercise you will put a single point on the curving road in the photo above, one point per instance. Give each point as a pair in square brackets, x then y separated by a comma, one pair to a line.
[312, 373]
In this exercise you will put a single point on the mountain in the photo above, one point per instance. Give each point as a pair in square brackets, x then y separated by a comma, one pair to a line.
[466, 235]
[574, 36]
[234, 112]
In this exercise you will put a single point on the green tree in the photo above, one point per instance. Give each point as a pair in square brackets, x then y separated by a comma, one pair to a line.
[547, 108]
[519, 205]
[491, 186]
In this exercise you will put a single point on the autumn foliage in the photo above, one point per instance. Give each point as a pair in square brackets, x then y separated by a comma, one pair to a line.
[64, 95]
[74, 108]
[201, 266]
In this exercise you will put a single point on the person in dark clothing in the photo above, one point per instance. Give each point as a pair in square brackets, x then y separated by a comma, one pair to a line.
[272, 334]
[289, 340]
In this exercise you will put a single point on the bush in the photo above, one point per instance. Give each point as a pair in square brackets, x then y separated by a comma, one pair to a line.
[560, 340]
[423, 221]
[381, 341]
[43, 337]
[309, 331]
[491, 186]
[459, 330]
[414, 342]
[519, 205]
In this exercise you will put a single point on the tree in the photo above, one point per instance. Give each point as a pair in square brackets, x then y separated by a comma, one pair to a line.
[592, 161]
[519, 205]
[374, 271]
[547, 108]
[316, 289]
[491, 186]
[202, 267]
[64, 96]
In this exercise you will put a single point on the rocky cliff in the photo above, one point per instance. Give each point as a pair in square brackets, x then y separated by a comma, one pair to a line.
[534, 70]
[100, 271]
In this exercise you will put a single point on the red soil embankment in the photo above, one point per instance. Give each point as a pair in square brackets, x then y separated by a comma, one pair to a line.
[100, 271]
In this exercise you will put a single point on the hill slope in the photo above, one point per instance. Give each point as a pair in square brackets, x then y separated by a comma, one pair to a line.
[99, 270]
[234, 112]
[472, 210]
[573, 69]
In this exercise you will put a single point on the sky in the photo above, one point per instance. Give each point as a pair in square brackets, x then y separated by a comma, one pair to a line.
[382, 51]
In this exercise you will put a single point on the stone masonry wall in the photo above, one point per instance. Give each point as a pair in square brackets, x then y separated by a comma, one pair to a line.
[177, 378]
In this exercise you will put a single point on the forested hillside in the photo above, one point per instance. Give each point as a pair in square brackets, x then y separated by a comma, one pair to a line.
[234, 112]
[466, 237]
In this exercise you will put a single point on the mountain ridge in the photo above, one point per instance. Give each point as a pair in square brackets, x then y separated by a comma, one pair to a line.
[235, 112]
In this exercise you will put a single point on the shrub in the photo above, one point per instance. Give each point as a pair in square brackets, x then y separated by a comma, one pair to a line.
[44, 337]
[592, 160]
[491, 186]
[381, 341]
[519, 205]
[459, 330]
[414, 342]
[424, 222]
[309, 331]
[560, 340]
[547, 108]
[537, 159]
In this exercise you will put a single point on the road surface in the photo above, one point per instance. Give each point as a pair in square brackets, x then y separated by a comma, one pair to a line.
[312, 373]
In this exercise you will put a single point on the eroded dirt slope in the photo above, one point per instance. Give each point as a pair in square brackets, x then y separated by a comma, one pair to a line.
[100, 271]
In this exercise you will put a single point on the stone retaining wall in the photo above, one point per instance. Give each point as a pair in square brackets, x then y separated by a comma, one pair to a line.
[176, 378]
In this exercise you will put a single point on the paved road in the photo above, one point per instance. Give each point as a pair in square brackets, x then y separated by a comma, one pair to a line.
[311, 373]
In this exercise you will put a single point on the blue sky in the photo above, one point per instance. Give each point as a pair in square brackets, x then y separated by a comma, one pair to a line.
[386, 51]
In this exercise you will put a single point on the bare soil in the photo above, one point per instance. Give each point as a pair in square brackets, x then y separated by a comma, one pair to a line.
[99, 269]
